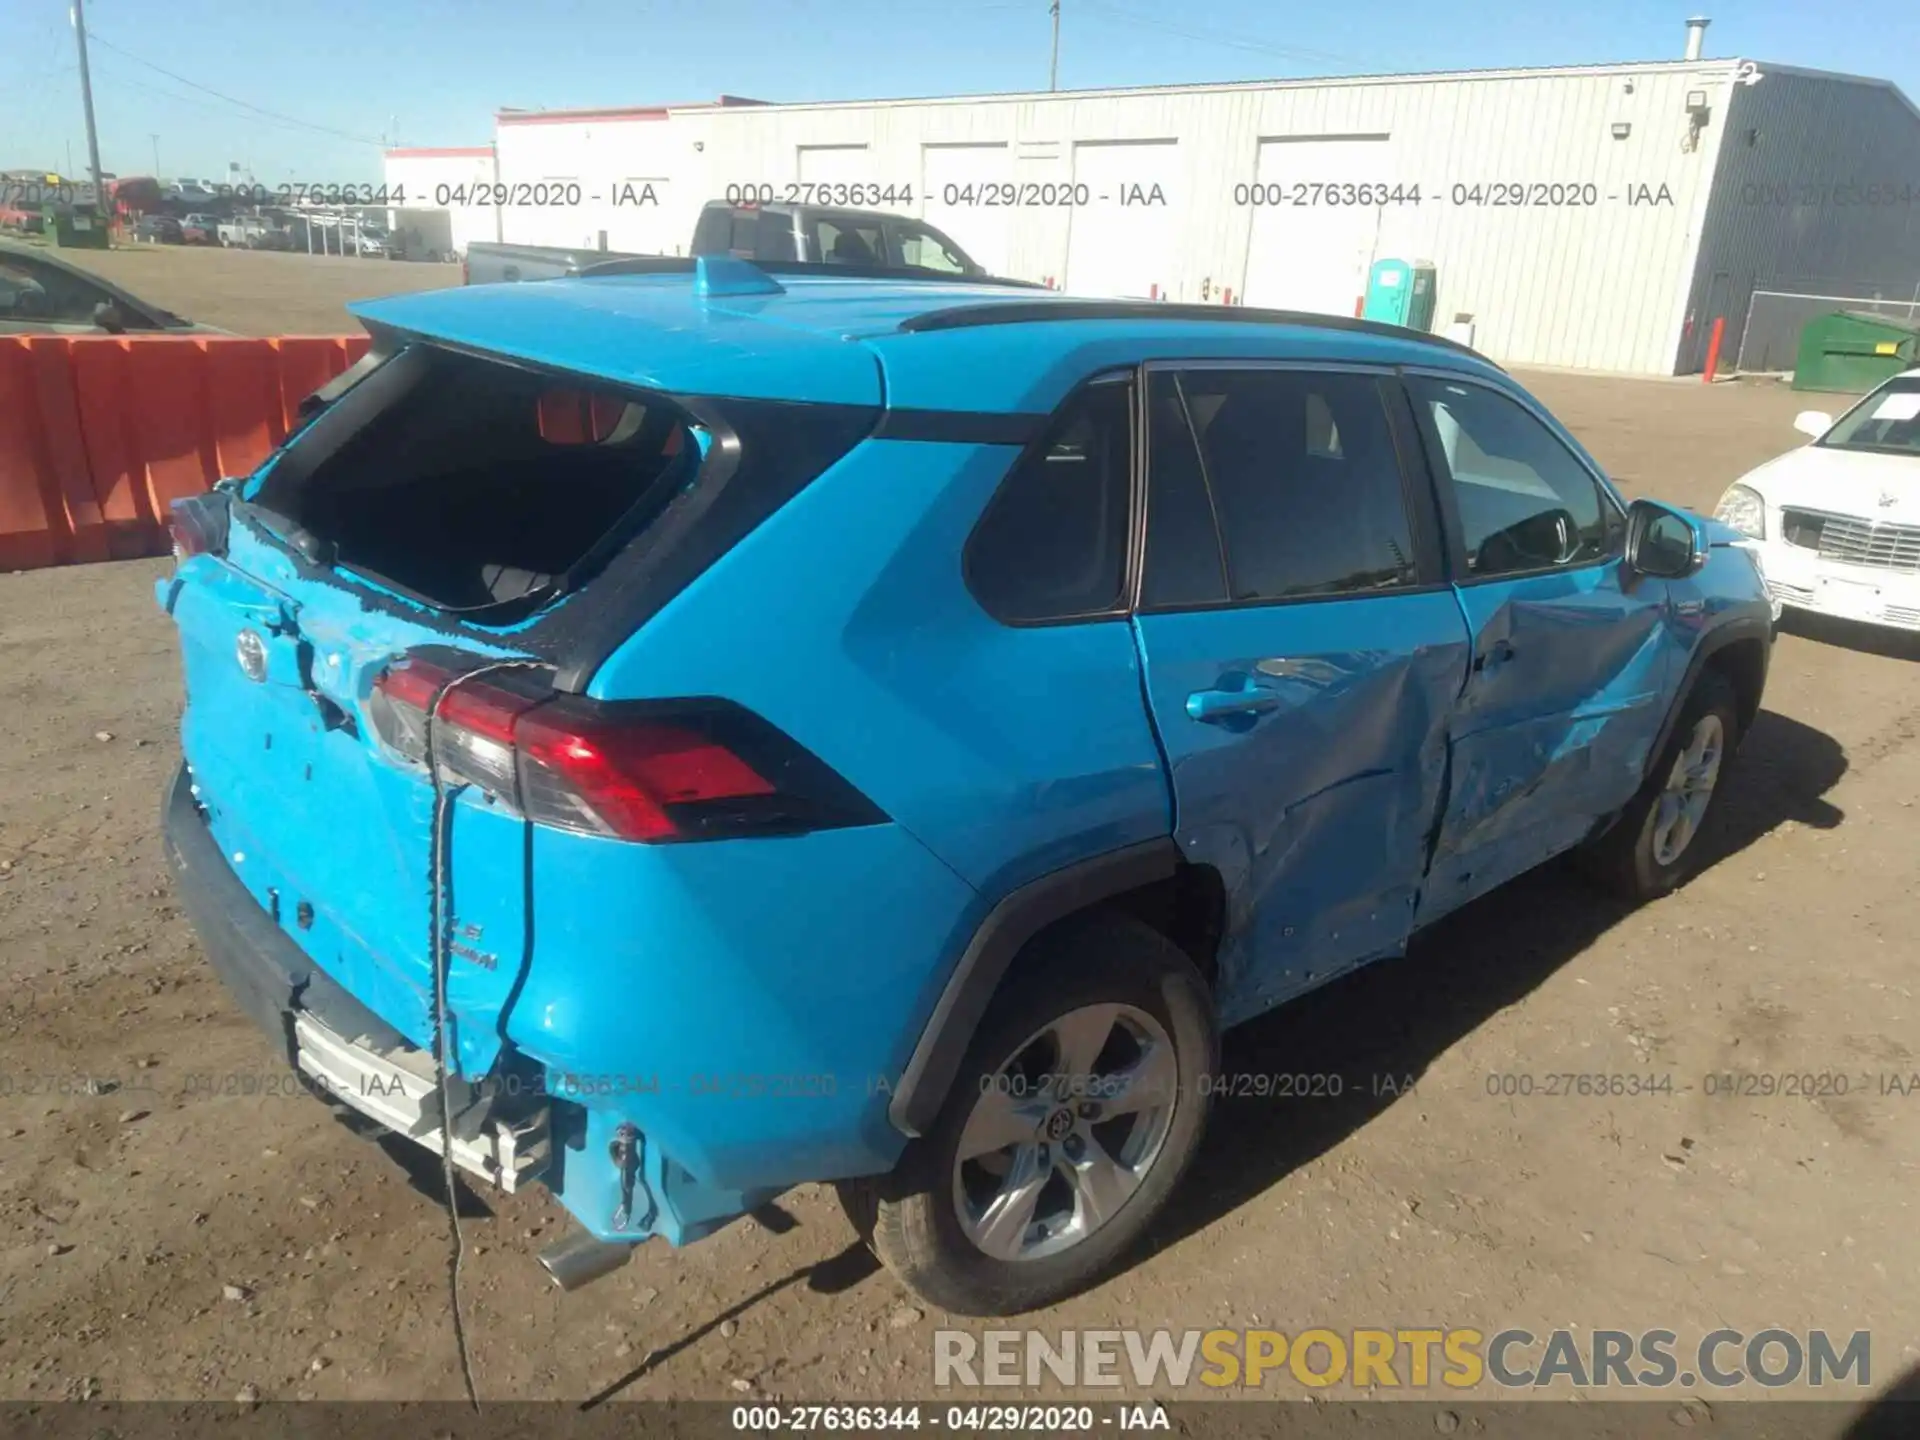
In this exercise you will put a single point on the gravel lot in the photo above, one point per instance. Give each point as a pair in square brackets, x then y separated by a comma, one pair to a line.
[259, 292]
[124, 1214]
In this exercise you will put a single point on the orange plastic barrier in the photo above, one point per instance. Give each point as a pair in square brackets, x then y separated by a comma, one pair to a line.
[98, 434]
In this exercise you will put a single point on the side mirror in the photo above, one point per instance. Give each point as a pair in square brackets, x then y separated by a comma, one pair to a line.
[1813, 422]
[108, 317]
[1664, 542]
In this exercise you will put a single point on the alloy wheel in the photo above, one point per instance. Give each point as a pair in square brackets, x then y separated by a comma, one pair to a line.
[1064, 1132]
[1689, 790]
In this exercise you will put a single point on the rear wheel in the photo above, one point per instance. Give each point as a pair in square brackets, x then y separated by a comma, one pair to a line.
[1078, 1108]
[1654, 847]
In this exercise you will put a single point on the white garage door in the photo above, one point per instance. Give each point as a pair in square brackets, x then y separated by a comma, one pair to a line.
[1121, 242]
[836, 164]
[951, 177]
[1312, 255]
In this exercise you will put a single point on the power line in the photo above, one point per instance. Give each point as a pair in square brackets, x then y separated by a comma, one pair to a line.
[199, 106]
[231, 100]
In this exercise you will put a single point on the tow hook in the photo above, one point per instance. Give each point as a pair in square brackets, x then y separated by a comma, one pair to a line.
[625, 1152]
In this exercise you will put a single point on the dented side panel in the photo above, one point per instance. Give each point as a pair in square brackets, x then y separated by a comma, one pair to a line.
[1317, 809]
[1568, 686]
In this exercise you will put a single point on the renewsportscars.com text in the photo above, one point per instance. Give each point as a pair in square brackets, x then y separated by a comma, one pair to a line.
[1403, 1358]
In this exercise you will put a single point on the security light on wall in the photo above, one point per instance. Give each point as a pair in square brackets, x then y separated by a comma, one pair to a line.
[1621, 129]
[1696, 102]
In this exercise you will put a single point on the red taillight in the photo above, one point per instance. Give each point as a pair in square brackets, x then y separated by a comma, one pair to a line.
[650, 771]
[197, 525]
[624, 779]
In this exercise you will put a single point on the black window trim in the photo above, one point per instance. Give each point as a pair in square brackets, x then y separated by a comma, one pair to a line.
[1441, 482]
[1416, 491]
[634, 584]
[1136, 505]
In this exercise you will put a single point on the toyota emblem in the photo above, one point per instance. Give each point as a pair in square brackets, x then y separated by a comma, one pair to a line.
[251, 651]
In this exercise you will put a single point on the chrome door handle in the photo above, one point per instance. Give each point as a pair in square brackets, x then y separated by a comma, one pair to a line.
[1210, 705]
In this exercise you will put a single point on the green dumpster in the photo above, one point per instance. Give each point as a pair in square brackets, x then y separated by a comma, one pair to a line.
[1850, 350]
[79, 226]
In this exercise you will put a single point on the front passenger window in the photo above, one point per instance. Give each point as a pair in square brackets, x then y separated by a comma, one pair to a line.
[1526, 503]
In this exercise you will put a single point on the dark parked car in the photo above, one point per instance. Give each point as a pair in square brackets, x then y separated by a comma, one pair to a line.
[200, 229]
[41, 294]
[829, 237]
[159, 230]
[869, 240]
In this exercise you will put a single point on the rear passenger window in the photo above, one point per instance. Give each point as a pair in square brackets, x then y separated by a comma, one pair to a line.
[1300, 474]
[1052, 543]
[1184, 563]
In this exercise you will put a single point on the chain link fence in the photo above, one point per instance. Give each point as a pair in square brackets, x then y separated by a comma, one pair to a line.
[1770, 338]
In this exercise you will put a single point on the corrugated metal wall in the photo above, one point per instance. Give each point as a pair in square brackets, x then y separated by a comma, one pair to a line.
[622, 166]
[428, 179]
[1612, 284]
[1817, 188]
[1598, 285]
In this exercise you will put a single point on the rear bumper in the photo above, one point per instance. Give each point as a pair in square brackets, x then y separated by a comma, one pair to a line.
[268, 975]
[345, 1051]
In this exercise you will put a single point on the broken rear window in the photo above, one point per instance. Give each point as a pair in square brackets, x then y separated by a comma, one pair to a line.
[476, 484]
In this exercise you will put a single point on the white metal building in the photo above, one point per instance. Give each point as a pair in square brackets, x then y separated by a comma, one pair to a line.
[429, 179]
[1596, 216]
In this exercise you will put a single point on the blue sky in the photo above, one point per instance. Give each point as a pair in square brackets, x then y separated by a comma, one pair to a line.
[309, 92]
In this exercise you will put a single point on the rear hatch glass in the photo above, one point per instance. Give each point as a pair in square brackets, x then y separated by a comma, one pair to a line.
[473, 485]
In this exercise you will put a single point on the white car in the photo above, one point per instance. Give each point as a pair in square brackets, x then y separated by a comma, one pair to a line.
[1835, 525]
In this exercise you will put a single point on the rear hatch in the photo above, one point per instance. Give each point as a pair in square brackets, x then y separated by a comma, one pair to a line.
[440, 512]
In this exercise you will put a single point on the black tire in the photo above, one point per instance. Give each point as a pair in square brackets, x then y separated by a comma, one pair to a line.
[910, 1218]
[1626, 858]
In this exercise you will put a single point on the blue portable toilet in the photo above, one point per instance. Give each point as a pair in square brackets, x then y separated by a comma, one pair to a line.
[1400, 292]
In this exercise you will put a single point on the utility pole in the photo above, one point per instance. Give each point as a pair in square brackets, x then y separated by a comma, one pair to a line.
[156, 154]
[86, 97]
[1053, 68]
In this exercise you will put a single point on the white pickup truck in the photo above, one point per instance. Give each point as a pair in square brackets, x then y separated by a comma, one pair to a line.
[251, 232]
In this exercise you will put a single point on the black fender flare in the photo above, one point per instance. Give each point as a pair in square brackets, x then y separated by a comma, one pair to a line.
[1016, 919]
[1727, 632]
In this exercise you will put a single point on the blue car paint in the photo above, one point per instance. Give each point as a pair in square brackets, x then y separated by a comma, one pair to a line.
[1552, 731]
[1316, 812]
[642, 331]
[1030, 368]
[276, 782]
[753, 1042]
[1009, 751]
[749, 1004]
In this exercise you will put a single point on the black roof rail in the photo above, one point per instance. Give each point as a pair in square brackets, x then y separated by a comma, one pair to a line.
[1022, 312]
[685, 264]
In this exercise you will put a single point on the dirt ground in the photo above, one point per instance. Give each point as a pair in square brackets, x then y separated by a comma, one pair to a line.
[260, 292]
[125, 1213]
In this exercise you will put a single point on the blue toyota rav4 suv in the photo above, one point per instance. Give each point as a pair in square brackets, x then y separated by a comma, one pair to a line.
[681, 732]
